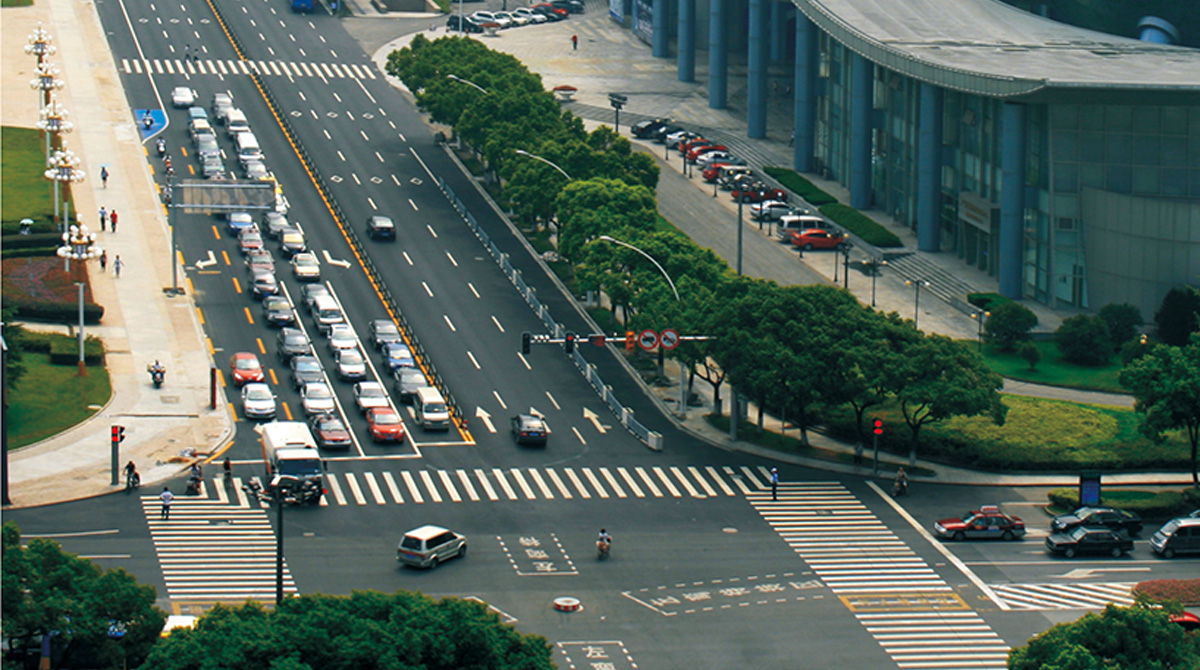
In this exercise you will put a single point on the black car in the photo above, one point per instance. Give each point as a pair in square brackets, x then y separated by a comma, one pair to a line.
[306, 369]
[277, 311]
[660, 135]
[548, 12]
[292, 342]
[529, 429]
[572, 6]
[1109, 517]
[468, 24]
[408, 380]
[646, 129]
[381, 228]
[1089, 540]
[384, 331]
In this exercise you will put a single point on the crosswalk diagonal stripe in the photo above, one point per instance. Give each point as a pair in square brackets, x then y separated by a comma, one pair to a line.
[275, 68]
[487, 486]
[520, 479]
[426, 479]
[583, 492]
[612, 481]
[541, 484]
[737, 479]
[325, 69]
[352, 484]
[633, 486]
[221, 67]
[750, 477]
[335, 488]
[658, 471]
[307, 72]
[503, 483]
[591, 477]
[392, 488]
[449, 486]
[293, 69]
[558, 483]
[687, 484]
[370, 72]
[708, 490]
[244, 66]
[357, 72]
[654, 490]
[374, 486]
[467, 486]
[413, 491]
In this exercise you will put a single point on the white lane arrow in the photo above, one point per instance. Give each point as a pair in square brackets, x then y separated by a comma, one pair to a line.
[1084, 573]
[595, 419]
[482, 415]
[212, 260]
[334, 261]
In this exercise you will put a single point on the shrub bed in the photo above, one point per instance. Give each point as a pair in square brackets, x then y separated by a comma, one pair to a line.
[41, 290]
[802, 187]
[987, 301]
[858, 223]
[1184, 591]
[1147, 504]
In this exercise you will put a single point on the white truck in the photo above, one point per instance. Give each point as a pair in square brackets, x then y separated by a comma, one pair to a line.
[294, 466]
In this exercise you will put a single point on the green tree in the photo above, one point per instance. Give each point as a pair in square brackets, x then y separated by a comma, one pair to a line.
[1009, 324]
[589, 209]
[1165, 384]
[365, 630]
[1029, 352]
[1178, 316]
[938, 378]
[1124, 322]
[1141, 637]
[47, 591]
[1084, 340]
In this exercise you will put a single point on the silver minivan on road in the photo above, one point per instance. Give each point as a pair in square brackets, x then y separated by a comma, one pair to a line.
[1176, 537]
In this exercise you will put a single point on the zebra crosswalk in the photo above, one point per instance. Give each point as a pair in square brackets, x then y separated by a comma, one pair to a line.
[432, 486]
[210, 552]
[914, 615]
[247, 67]
[1064, 596]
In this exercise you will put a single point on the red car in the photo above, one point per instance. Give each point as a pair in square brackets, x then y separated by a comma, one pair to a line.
[1189, 621]
[817, 238]
[385, 425]
[758, 193]
[694, 143]
[697, 152]
[245, 368]
[988, 522]
[330, 432]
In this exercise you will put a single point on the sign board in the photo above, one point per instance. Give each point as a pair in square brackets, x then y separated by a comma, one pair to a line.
[669, 338]
[648, 339]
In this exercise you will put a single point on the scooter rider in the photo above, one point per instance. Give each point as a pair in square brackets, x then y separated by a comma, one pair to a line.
[158, 373]
[604, 541]
[132, 479]
[162, 146]
[901, 485]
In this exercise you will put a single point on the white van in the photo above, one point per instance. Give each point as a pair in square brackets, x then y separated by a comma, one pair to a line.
[788, 224]
[235, 121]
[247, 148]
[427, 546]
[327, 313]
[431, 410]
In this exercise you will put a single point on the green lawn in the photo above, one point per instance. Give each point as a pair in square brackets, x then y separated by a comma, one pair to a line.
[24, 192]
[51, 398]
[1052, 371]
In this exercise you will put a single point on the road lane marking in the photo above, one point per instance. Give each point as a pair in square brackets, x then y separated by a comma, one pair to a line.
[612, 481]
[503, 483]
[455, 264]
[472, 287]
[487, 486]
[453, 492]
[427, 289]
[392, 488]
[558, 483]
[577, 435]
[473, 361]
[434, 495]
[376, 493]
[450, 323]
[583, 492]
[413, 491]
[497, 322]
[499, 399]
[637, 491]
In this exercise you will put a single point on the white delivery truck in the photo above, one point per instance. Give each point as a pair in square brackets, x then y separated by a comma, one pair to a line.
[295, 470]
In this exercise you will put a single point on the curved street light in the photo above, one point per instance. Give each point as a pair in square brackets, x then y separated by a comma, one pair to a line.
[561, 171]
[468, 82]
[917, 302]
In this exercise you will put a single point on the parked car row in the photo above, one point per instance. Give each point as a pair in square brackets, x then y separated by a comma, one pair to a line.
[545, 12]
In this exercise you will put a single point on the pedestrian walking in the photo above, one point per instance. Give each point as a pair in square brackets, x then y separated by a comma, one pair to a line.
[792, 139]
[774, 483]
[112, 218]
[166, 497]
[575, 42]
[104, 175]
[104, 261]
[858, 449]
[103, 218]
[187, 53]
[117, 265]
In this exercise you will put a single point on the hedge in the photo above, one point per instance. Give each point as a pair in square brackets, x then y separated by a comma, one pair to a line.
[32, 241]
[987, 301]
[797, 184]
[1151, 505]
[64, 349]
[858, 223]
[29, 253]
[55, 312]
[1186, 592]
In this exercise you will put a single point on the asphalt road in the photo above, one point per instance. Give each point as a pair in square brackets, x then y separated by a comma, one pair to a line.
[706, 571]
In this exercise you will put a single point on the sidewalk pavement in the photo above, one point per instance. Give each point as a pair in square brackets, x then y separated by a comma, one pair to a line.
[141, 323]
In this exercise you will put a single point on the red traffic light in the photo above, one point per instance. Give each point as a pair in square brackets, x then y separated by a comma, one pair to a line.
[879, 426]
[118, 434]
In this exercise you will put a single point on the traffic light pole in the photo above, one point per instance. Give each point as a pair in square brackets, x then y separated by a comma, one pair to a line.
[875, 458]
[116, 455]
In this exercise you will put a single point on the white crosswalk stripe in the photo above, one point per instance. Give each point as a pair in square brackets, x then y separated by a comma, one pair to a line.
[214, 552]
[911, 612]
[324, 71]
[1065, 596]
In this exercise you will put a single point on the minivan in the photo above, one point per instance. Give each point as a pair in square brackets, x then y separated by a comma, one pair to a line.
[247, 147]
[787, 224]
[431, 409]
[1177, 536]
[427, 546]
[327, 313]
[235, 121]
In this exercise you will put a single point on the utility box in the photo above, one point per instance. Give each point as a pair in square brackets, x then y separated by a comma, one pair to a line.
[1089, 489]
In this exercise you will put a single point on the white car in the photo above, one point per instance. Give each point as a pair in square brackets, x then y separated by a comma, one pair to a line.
[712, 157]
[770, 210]
[351, 365]
[317, 398]
[257, 401]
[341, 336]
[533, 16]
[183, 96]
[512, 19]
[306, 267]
[369, 395]
[483, 17]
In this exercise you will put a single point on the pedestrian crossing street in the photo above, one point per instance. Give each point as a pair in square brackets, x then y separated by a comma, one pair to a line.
[406, 487]
[323, 71]
[1065, 596]
[211, 552]
[918, 619]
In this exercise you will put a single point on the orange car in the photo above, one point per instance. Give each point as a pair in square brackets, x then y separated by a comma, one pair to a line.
[244, 368]
[818, 238]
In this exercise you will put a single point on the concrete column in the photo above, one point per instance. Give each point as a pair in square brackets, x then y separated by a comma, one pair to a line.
[1012, 199]
[860, 132]
[778, 24]
[687, 40]
[661, 42]
[756, 72]
[718, 59]
[805, 114]
[929, 169]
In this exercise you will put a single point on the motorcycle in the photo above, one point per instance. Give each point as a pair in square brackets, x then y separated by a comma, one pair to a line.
[603, 547]
[193, 486]
[158, 375]
[162, 147]
[132, 481]
[900, 488]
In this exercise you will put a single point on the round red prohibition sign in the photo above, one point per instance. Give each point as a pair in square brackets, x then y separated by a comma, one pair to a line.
[669, 339]
[648, 339]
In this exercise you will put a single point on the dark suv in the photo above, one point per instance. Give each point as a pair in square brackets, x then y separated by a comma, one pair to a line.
[529, 429]
[469, 25]
[381, 228]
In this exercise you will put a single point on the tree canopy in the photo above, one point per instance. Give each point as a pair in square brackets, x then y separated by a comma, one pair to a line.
[366, 630]
[1165, 384]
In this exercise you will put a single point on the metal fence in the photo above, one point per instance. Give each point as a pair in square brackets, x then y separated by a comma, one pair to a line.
[624, 414]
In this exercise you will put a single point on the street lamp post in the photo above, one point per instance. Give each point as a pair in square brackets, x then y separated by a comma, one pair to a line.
[682, 370]
[53, 121]
[64, 167]
[846, 265]
[45, 80]
[980, 316]
[79, 244]
[40, 43]
[468, 82]
[873, 265]
[522, 152]
[918, 283]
